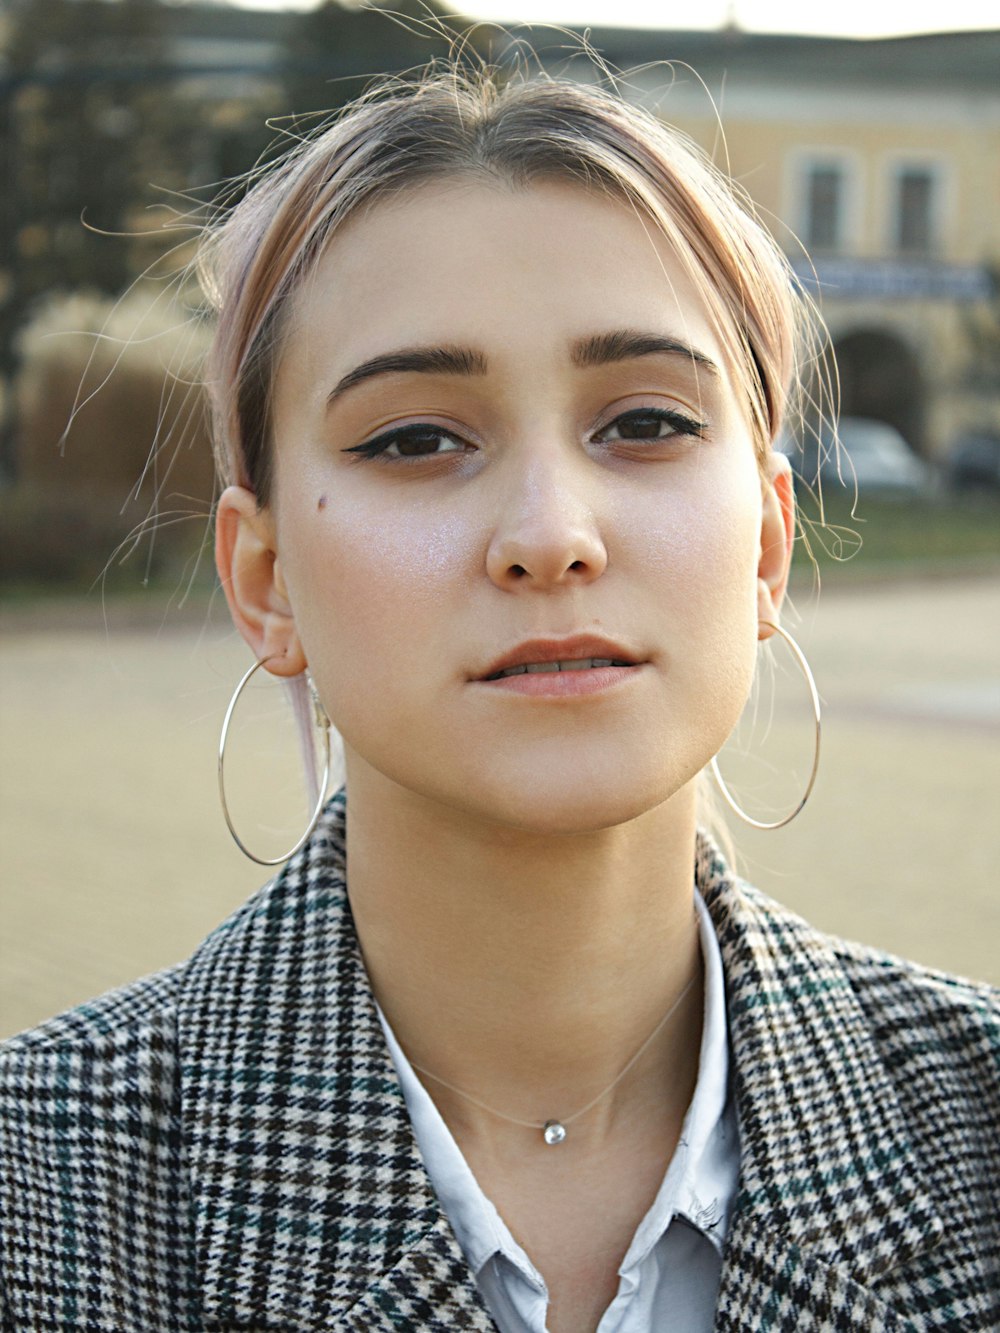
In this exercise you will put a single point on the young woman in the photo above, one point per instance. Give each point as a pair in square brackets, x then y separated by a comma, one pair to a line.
[505, 1045]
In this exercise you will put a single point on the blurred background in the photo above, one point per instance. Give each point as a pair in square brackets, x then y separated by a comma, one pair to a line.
[870, 147]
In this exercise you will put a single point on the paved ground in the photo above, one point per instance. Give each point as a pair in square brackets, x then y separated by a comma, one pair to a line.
[114, 859]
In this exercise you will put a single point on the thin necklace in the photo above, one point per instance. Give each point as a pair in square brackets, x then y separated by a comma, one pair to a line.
[554, 1131]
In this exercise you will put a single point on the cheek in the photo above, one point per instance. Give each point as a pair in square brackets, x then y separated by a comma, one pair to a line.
[700, 539]
[372, 591]
[701, 552]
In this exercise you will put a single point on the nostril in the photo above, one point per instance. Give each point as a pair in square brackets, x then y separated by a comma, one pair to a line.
[578, 564]
[518, 571]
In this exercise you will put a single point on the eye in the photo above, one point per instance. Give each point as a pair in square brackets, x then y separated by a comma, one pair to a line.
[650, 423]
[417, 441]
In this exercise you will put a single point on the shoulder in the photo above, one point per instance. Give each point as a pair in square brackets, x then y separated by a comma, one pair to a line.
[936, 1037]
[942, 1029]
[85, 1081]
[868, 1090]
[893, 992]
[116, 1053]
[123, 1013]
[108, 1067]
[789, 984]
[124, 1041]
[94, 1206]
[908, 1006]
[91, 1159]
[138, 1015]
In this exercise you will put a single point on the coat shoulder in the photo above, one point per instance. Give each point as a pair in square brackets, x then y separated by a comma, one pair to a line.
[917, 984]
[869, 1097]
[95, 1214]
[90, 1166]
[120, 1014]
[924, 1022]
[938, 1035]
[915, 1002]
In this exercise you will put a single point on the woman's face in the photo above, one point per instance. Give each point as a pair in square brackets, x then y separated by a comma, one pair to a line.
[504, 435]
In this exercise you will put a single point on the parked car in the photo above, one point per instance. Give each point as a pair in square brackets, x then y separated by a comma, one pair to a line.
[872, 453]
[974, 463]
[876, 456]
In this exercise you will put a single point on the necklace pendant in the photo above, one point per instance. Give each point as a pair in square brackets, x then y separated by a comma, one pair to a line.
[553, 1132]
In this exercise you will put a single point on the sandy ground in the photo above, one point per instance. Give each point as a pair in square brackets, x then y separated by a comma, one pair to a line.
[115, 860]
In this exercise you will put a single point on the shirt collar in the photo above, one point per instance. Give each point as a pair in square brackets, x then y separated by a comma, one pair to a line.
[700, 1181]
[480, 1230]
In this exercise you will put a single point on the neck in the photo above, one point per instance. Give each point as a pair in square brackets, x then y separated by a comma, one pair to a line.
[523, 968]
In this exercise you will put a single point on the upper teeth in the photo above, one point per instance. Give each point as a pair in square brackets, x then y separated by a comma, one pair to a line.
[574, 664]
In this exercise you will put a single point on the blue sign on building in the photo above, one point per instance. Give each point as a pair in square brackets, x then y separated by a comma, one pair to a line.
[895, 279]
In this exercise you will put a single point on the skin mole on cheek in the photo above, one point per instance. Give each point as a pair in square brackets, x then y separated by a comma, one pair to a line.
[321, 502]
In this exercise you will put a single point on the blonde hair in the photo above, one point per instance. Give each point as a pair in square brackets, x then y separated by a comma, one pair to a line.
[456, 123]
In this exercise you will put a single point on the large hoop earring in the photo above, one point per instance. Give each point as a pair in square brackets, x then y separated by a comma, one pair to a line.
[322, 721]
[803, 665]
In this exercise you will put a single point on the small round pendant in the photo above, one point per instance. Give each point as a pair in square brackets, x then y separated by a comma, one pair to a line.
[553, 1132]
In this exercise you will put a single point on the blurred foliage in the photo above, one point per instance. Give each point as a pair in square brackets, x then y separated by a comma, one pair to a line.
[333, 51]
[101, 107]
[82, 130]
[115, 451]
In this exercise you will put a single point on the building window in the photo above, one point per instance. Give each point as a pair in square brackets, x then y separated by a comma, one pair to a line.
[916, 196]
[825, 199]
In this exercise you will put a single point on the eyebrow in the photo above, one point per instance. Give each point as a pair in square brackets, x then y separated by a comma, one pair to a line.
[428, 360]
[599, 349]
[602, 349]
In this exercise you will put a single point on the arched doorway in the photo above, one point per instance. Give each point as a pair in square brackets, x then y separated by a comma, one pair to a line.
[880, 377]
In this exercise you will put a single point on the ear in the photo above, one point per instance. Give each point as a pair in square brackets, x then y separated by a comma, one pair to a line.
[777, 534]
[246, 557]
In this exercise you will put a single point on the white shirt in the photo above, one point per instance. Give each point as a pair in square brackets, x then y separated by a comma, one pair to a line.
[669, 1278]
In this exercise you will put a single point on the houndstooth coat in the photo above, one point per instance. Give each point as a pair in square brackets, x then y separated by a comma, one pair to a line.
[225, 1145]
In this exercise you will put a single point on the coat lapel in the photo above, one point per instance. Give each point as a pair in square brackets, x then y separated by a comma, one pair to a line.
[831, 1197]
[427, 1289]
[311, 1205]
[312, 1208]
[769, 1284]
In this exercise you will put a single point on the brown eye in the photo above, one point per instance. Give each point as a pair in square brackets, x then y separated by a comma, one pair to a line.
[638, 427]
[651, 424]
[410, 442]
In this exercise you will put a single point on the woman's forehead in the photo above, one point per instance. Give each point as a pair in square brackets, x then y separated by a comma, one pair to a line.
[498, 267]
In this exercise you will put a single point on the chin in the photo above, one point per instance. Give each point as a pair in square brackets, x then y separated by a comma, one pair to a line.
[561, 805]
[550, 790]
[573, 819]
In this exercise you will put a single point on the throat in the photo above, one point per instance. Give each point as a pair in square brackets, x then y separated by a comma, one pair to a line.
[575, 1215]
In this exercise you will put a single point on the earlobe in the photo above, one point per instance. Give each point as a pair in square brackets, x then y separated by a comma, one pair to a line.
[777, 534]
[250, 571]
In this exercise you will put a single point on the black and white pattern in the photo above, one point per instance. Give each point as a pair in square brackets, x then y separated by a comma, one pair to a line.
[225, 1146]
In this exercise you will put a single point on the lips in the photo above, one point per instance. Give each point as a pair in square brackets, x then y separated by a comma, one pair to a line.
[541, 656]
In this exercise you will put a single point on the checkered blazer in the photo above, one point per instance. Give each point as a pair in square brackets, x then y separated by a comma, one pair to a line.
[225, 1145]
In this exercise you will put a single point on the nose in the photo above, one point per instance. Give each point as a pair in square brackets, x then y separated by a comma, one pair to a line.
[547, 535]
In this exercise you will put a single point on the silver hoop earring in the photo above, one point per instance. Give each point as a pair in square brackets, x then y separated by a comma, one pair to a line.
[803, 665]
[322, 722]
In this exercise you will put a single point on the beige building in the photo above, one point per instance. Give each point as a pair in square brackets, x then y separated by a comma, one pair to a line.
[881, 161]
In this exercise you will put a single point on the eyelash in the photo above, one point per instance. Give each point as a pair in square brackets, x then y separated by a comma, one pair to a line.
[682, 426]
